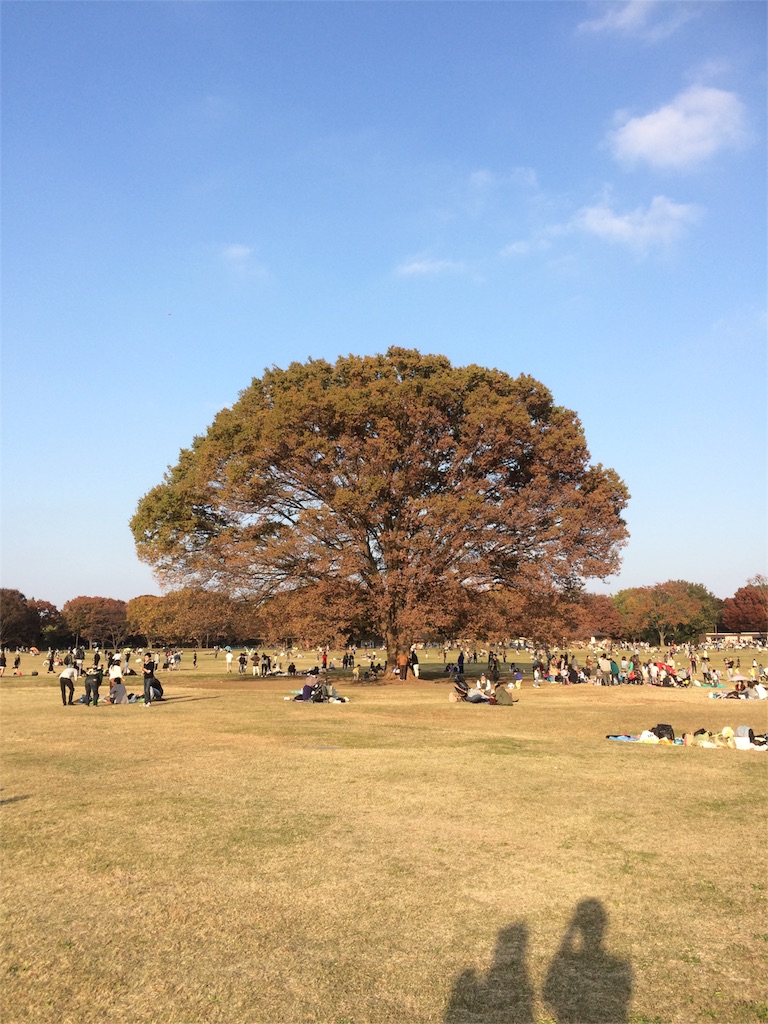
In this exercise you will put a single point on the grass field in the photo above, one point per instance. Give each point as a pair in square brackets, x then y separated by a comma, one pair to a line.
[231, 857]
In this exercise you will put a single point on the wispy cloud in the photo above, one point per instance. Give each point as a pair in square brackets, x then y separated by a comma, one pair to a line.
[649, 20]
[427, 267]
[240, 260]
[526, 246]
[642, 229]
[680, 135]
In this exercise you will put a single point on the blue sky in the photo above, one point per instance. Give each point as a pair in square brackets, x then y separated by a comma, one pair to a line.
[195, 191]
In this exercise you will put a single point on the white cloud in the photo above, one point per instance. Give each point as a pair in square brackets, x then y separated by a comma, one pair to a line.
[641, 229]
[240, 260]
[525, 246]
[698, 123]
[646, 19]
[236, 254]
[425, 267]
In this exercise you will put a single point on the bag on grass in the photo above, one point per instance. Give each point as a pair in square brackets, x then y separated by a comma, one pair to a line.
[664, 732]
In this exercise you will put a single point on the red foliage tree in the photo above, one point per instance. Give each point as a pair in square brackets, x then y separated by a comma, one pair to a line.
[97, 619]
[747, 610]
[398, 479]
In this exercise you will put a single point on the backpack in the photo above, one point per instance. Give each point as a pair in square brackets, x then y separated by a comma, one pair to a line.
[664, 732]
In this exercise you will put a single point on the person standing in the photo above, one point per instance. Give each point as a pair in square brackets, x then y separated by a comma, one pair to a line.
[229, 661]
[415, 667]
[66, 680]
[17, 665]
[93, 678]
[2, 661]
[51, 659]
[115, 672]
[148, 671]
[402, 664]
[460, 662]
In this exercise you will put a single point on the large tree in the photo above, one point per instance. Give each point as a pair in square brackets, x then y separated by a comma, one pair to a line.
[97, 619]
[397, 477]
[675, 610]
[19, 620]
[52, 627]
[747, 610]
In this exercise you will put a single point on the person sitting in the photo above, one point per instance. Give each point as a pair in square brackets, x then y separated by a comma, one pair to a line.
[306, 690]
[117, 692]
[478, 695]
[503, 696]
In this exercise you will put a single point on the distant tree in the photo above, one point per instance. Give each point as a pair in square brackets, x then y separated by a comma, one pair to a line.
[747, 610]
[675, 610]
[53, 629]
[202, 616]
[19, 620]
[398, 477]
[597, 614]
[97, 619]
[145, 617]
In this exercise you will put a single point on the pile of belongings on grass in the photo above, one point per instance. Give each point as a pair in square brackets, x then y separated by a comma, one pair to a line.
[743, 738]
[479, 694]
[315, 691]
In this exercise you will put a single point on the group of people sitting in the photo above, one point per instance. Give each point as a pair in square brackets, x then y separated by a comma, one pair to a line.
[744, 690]
[118, 694]
[483, 692]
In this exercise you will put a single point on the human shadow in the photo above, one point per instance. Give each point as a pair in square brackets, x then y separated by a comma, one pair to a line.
[584, 984]
[504, 995]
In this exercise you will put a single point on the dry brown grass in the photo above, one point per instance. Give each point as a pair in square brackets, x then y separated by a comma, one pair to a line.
[231, 857]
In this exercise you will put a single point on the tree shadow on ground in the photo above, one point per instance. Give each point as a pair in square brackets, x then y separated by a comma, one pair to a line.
[584, 984]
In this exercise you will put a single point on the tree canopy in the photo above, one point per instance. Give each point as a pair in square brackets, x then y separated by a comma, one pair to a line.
[391, 488]
[19, 620]
[675, 610]
[97, 619]
[748, 608]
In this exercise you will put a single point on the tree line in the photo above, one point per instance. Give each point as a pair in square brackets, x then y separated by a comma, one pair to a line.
[674, 611]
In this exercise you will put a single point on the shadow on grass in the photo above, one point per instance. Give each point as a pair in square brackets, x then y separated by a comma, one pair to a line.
[14, 799]
[170, 700]
[584, 984]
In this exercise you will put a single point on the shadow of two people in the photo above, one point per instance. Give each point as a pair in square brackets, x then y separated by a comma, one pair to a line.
[584, 985]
